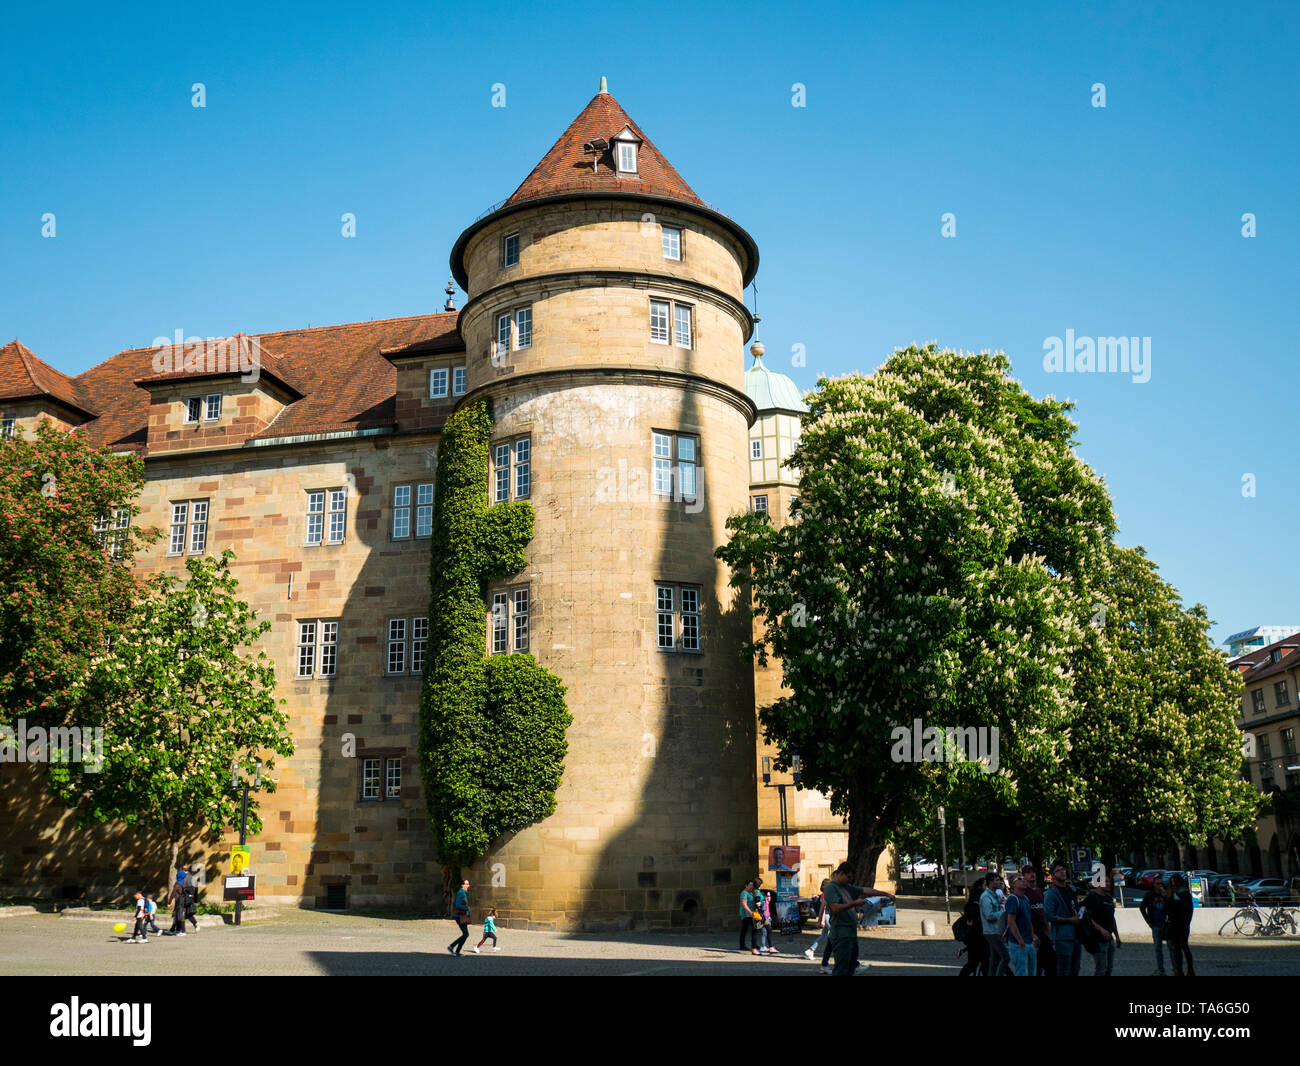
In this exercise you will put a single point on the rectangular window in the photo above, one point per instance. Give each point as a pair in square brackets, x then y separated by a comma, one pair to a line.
[659, 321]
[664, 616]
[401, 512]
[199, 527]
[672, 241]
[212, 407]
[503, 338]
[524, 327]
[626, 157]
[1283, 696]
[329, 649]
[180, 515]
[1265, 746]
[674, 458]
[677, 629]
[419, 641]
[520, 606]
[756, 449]
[338, 515]
[682, 325]
[502, 473]
[523, 467]
[315, 517]
[397, 645]
[758, 504]
[370, 779]
[458, 380]
[193, 409]
[424, 509]
[794, 505]
[510, 250]
[690, 619]
[438, 383]
[6, 427]
[392, 779]
[111, 532]
[306, 649]
[1258, 697]
[1288, 741]
[500, 620]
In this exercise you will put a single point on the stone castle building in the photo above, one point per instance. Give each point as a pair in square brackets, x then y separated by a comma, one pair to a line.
[606, 322]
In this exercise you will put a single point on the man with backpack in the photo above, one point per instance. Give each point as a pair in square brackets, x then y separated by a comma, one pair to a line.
[993, 920]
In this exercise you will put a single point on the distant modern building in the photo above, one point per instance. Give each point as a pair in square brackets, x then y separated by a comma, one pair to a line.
[1249, 640]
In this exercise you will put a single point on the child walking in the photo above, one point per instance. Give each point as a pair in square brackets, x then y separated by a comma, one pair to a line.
[139, 935]
[151, 906]
[489, 930]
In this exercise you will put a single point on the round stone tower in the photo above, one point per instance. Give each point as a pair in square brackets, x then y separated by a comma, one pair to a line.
[606, 323]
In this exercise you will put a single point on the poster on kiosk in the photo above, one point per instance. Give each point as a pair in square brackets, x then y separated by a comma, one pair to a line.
[783, 860]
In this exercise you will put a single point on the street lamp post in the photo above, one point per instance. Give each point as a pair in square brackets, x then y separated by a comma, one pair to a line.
[243, 825]
[796, 768]
[943, 837]
[961, 828]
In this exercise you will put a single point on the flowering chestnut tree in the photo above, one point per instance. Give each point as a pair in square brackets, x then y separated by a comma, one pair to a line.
[936, 569]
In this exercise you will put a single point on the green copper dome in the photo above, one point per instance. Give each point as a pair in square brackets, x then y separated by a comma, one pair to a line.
[769, 390]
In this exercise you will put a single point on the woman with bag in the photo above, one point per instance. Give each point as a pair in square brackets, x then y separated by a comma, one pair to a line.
[748, 905]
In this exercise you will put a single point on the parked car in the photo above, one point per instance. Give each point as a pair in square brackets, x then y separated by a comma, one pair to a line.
[1145, 877]
[1270, 889]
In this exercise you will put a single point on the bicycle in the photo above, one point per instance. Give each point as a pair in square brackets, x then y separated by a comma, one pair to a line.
[1251, 920]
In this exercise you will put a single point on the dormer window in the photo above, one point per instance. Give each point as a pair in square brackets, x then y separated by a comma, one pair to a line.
[625, 151]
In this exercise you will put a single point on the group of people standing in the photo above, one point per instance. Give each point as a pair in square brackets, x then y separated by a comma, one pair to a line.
[1028, 931]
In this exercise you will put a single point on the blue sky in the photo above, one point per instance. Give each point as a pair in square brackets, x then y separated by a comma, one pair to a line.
[1117, 221]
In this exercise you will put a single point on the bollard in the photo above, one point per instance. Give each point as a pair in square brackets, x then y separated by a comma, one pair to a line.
[927, 927]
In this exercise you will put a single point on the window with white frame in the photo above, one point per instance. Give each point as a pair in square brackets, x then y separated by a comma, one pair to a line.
[514, 331]
[674, 457]
[626, 157]
[404, 634]
[110, 531]
[189, 528]
[405, 497]
[682, 325]
[756, 449]
[381, 778]
[510, 250]
[318, 648]
[458, 380]
[672, 242]
[659, 321]
[503, 337]
[7, 427]
[758, 504]
[193, 409]
[438, 378]
[326, 516]
[212, 407]
[508, 622]
[524, 327]
[677, 618]
[512, 470]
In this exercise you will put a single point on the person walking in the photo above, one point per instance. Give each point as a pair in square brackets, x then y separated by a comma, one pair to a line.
[766, 899]
[823, 934]
[140, 935]
[1099, 914]
[1045, 955]
[489, 930]
[843, 900]
[176, 900]
[1060, 908]
[460, 915]
[190, 890]
[151, 907]
[1178, 922]
[748, 905]
[1021, 941]
[1154, 909]
[977, 948]
[993, 922]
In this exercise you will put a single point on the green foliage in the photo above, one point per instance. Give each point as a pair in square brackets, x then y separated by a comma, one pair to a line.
[61, 592]
[937, 572]
[492, 730]
[181, 706]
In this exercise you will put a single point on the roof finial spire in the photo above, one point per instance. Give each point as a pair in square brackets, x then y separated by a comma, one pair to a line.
[603, 86]
[450, 290]
[756, 349]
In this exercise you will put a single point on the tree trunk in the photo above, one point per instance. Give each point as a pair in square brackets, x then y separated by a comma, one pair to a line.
[870, 815]
[171, 873]
[450, 883]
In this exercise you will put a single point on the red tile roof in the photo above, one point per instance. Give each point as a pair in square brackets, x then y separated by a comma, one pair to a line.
[343, 381]
[1257, 664]
[23, 376]
[568, 168]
